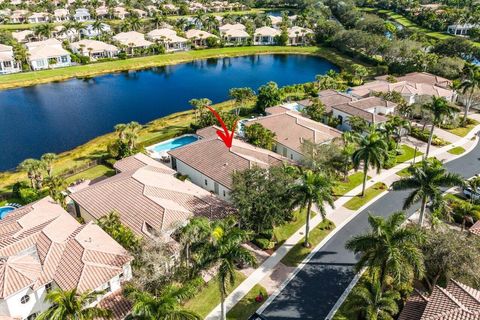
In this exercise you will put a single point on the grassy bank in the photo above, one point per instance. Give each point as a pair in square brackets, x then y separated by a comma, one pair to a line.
[95, 69]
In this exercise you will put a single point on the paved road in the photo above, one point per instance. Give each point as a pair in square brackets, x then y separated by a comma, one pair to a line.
[317, 287]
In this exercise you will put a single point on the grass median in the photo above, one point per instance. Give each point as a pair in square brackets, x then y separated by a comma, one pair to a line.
[463, 131]
[358, 201]
[456, 151]
[298, 253]
[248, 305]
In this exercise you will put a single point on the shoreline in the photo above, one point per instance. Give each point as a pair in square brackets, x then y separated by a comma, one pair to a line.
[32, 78]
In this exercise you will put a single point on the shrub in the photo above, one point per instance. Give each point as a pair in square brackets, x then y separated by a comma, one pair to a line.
[391, 160]
[264, 244]
[28, 195]
[423, 136]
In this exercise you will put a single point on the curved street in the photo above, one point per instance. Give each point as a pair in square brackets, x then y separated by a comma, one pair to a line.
[315, 289]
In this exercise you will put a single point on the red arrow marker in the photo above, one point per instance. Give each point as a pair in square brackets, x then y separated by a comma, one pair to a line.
[226, 136]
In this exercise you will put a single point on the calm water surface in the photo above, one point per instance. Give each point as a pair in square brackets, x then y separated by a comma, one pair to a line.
[60, 116]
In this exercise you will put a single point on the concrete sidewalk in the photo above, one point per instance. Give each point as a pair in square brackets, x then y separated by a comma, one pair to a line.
[273, 273]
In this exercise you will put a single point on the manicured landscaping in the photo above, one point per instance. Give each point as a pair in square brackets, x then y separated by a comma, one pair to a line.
[463, 131]
[248, 305]
[357, 202]
[92, 173]
[456, 150]
[299, 252]
[94, 69]
[286, 230]
[207, 298]
[344, 312]
[343, 187]
[404, 172]
[407, 154]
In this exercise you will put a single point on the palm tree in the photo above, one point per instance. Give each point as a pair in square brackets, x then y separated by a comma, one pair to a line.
[69, 305]
[44, 30]
[372, 152]
[313, 188]
[56, 185]
[440, 110]
[48, 159]
[389, 249]
[34, 169]
[399, 126]
[223, 248]
[469, 85]
[196, 230]
[372, 302]
[474, 184]
[426, 181]
[165, 306]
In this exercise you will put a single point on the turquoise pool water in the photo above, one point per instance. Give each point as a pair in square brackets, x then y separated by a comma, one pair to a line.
[4, 210]
[173, 143]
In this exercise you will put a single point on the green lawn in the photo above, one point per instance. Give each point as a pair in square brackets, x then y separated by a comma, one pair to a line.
[286, 230]
[92, 173]
[298, 253]
[343, 187]
[36, 77]
[357, 202]
[247, 306]
[456, 150]
[208, 297]
[463, 131]
[407, 154]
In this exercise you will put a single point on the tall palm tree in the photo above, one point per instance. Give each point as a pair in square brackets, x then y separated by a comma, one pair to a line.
[48, 159]
[372, 152]
[69, 305]
[469, 85]
[34, 169]
[165, 306]
[56, 186]
[223, 248]
[426, 181]
[399, 126]
[440, 110]
[389, 249]
[193, 232]
[372, 302]
[313, 188]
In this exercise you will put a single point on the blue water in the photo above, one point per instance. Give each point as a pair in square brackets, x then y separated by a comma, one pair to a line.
[4, 210]
[173, 144]
[57, 117]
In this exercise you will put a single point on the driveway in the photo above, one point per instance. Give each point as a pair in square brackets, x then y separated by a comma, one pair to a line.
[313, 292]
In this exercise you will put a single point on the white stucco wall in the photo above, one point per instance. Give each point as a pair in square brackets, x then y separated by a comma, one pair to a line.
[287, 152]
[13, 307]
[201, 180]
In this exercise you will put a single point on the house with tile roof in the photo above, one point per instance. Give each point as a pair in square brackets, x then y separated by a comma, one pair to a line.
[265, 36]
[8, 64]
[132, 39]
[47, 54]
[94, 49]
[199, 37]
[455, 302]
[234, 34]
[169, 39]
[421, 77]
[292, 130]
[371, 109]
[148, 197]
[299, 36]
[42, 248]
[210, 164]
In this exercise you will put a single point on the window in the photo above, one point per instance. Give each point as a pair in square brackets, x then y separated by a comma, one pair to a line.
[48, 287]
[341, 119]
[224, 193]
[120, 276]
[25, 299]
[7, 64]
[291, 156]
[206, 182]
[64, 59]
[108, 288]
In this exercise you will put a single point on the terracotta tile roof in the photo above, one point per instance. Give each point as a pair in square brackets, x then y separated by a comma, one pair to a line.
[422, 77]
[372, 102]
[292, 129]
[41, 243]
[354, 111]
[475, 229]
[208, 132]
[456, 302]
[117, 303]
[138, 161]
[403, 87]
[213, 159]
[332, 98]
[150, 194]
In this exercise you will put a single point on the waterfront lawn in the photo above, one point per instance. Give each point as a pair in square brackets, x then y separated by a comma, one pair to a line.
[247, 306]
[298, 253]
[463, 131]
[92, 173]
[407, 154]
[32, 78]
[343, 187]
[285, 231]
[456, 150]
[357, 202]
[208, 297]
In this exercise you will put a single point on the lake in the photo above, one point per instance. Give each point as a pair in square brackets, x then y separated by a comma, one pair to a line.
[57, 117]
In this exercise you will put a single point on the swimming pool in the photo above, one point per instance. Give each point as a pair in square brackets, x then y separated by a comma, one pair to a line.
[172, 144]
[5, 210]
